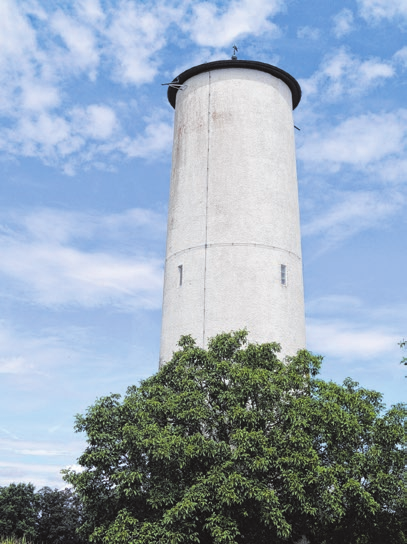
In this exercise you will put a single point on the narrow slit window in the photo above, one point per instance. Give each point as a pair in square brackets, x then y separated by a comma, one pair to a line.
[180, 274]
[283, 274]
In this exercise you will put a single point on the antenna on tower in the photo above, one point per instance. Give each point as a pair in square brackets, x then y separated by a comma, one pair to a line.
[235, 50]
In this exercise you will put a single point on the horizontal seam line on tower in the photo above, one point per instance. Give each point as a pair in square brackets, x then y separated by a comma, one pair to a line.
[228, 244]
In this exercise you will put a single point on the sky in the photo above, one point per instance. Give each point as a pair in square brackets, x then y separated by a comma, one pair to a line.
[85, 160]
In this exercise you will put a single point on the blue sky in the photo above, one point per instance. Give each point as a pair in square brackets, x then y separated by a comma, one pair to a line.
[85, 158]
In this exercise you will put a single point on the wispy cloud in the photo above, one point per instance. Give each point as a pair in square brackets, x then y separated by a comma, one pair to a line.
[213, 26]
[343, 23]
[367, 352]
[136, 32]
[62, 369]
[85, 136]
[81, 53]
[334, 305]
[53, 267]
[96, 121]
[38, 448]
[28, 356]
[8, 433]
[156, 138]
[359, 339]
[375, 10]
[359, 142]
[352, 213]
[56, 44]
[400, 57]
[44, 51]
[308, 32]
[13, 365]
[61, 276]
[343, 74]
[40, 474]
[342, 339]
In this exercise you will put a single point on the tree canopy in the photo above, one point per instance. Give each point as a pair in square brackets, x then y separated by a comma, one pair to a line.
[49, 516]
[231, 445]
[18, 510]
[59, 516]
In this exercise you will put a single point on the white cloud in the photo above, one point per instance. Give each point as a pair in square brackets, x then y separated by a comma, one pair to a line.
[42, 453]
[353, 212]
[342, 74]
[334, 304]
[400, 57]
[343, 23]
[64, 368]
[80, 42]
[34, 65]
[20, 63]
[358, 142]
[60, 276]
[16, 36]
[85, 135]
[40, 474]
[393, 169]
[90, 10]
[374, 10]
[31, 360]
[42, 52]
[156, 139]
[37, 448]
[70, 226]
[33, 8]
[51, 267]
[358, 340]
[44, 135]
[213, 26]
[8, 433]
[36, 96]
[95, 121]
[343, 339]
[308, 32]
[12, 365]
[135, 35]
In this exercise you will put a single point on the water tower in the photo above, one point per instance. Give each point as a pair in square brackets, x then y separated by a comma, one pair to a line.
[233, 256]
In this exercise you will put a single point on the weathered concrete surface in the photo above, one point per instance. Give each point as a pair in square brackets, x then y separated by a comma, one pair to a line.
[233, 213]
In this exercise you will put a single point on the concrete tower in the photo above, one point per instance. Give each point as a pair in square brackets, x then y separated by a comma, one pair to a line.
[233, 245]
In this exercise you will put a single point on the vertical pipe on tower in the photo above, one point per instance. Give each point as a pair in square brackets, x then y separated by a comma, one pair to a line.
[233, 257]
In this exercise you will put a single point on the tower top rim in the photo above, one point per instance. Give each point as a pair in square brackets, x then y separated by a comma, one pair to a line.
[288, 79]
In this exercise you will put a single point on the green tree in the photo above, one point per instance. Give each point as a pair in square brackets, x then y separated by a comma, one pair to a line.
[18, 510]
[230, 445]
[60, 514]
[403, 345]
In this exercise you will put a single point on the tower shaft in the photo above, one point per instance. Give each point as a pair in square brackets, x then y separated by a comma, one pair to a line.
[233, 256]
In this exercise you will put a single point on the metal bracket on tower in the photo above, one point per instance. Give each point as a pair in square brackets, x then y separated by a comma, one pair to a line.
[176, 85]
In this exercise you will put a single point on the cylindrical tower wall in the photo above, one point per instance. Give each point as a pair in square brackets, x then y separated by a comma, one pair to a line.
[233, 244]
